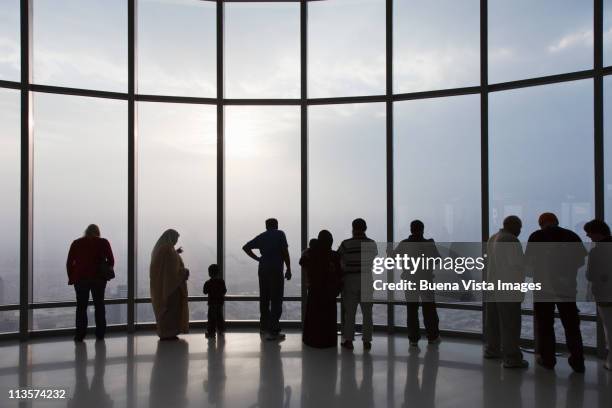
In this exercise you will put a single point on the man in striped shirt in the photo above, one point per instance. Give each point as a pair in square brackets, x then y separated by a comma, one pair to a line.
[356, 254]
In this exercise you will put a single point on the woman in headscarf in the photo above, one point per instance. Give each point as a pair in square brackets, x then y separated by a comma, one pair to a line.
[168, 277]
[324, 279]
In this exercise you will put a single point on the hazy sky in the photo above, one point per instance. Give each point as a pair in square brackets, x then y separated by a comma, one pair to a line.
[541, 144]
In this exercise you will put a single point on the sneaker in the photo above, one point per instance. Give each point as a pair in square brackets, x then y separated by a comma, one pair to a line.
[367, 345]
[518, 364]
[435, 342]
[78, 339]
[347, 344]
[607, 366]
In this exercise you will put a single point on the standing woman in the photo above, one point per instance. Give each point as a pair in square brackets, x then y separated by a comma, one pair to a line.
[324, 279]
[168, 277]
[88, 257]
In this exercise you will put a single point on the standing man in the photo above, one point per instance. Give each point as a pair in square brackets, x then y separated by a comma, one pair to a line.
[414, 246]
[503, 310]
[273, 249]
[555, 265]
[356, 257]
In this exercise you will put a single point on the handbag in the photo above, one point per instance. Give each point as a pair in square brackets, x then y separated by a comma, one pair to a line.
[106, 271]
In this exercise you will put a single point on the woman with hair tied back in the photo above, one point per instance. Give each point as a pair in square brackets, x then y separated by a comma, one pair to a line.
[90, 265]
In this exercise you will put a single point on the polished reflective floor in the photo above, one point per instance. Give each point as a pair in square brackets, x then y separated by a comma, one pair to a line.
[140, 371]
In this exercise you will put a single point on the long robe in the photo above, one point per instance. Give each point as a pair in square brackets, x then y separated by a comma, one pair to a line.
[324, 280]
[169, 292]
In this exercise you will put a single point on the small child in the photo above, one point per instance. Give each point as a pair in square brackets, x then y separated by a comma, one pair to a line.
[216, 290]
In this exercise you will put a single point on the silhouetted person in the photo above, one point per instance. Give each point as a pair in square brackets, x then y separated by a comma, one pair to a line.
[356, 256]
[305, 253]
[415, 246]
[88, 257]
[324, 277]
[273, 249]
[216, 290]
[555, 266]
[503, 310]
[168, 283]
[599, 274]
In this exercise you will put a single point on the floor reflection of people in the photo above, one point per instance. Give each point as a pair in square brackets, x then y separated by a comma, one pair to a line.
[351, 394]
[502, 388]
[272, 391]
[85, 394]
[319, 377]
[168, 387]
[214, 385]
[421, 392]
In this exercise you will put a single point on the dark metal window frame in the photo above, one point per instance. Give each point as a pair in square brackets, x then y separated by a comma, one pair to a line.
[484, 88]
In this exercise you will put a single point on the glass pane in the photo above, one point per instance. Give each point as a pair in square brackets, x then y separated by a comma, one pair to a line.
[432, 182]
[63, 318]
[262, 45]
[347, 170]
[10, 191]
[346, 48]
[522, 46]
[80, 178]
[10, 51]
[262, 180]
[177, 186]
[177, 47]
[436, 44]
[541, 155]
[9, 321]
[243, 311]
[80, 43]
[607, 30]
[144, 313]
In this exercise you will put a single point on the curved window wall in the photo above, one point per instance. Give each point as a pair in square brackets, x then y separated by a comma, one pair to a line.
[210, 116]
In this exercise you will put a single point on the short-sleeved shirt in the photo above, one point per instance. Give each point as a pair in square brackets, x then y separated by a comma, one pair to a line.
[270, 244]
[357, 254]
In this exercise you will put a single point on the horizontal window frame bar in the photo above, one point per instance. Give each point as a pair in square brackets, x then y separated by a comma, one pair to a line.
[10, 84]
[545, 80]
[193, 100]
[60, 90]
[440, 93]
[9, 307]
[340, 100]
